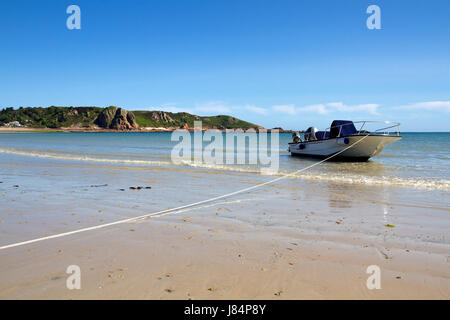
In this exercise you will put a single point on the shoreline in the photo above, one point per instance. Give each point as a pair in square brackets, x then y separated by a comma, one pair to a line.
[145, 129]
[81, 130]
[99, 130]
[261, 245]
[293, 239]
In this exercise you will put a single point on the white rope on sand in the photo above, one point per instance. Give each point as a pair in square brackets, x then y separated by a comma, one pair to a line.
[166, 211]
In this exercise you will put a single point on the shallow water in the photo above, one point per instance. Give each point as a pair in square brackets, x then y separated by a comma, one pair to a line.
[68, 181]
[419, 160]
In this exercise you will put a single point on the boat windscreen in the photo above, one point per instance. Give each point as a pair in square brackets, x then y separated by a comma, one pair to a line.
[322, 135]
[344, 127]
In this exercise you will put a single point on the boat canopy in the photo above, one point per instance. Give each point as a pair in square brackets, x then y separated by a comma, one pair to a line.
[322, 135]
[342, 128]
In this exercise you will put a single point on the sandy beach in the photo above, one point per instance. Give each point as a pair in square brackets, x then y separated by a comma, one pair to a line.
[198, 258]
[294, 239]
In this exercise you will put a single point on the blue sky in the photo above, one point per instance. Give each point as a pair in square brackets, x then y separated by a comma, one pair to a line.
[276, 63]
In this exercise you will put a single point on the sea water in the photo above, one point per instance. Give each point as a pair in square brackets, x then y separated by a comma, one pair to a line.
[419, 160]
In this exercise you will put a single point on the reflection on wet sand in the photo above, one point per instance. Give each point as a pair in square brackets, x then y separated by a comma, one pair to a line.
[272, 241]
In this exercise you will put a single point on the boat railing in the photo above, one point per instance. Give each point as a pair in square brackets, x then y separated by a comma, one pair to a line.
[384, 130]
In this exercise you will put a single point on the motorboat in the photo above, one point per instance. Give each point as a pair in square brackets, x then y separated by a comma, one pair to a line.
[344, 140]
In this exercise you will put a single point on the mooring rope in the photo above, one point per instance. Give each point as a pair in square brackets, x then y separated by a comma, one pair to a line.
[173, 210]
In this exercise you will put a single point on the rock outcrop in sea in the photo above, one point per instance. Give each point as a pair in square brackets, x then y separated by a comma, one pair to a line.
[117, 119]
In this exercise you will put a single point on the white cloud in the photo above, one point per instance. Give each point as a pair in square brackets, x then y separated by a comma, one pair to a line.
[171, 107]
[339, 106]
[327, 108]
[443, 106]
[256, 109]
[285, 108]
[219, 107]
[213, 107]
[315, 108]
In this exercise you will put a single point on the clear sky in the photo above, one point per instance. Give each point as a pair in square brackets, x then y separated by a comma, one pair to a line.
[275, 63]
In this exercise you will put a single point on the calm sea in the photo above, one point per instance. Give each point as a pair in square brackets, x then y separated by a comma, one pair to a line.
[419, 160]
[58, 182]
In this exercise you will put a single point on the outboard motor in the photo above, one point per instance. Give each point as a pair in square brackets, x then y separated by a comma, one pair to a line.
[310, 134]
[296, 137]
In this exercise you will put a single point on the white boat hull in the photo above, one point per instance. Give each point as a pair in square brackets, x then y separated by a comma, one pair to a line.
[361, 151]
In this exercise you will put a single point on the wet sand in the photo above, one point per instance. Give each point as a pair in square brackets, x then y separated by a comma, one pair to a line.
[295, 239]
[204, 253]
[214, 260]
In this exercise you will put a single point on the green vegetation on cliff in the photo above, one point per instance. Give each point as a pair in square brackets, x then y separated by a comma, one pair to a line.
[51, 117]
[113, 118]
[183, 119]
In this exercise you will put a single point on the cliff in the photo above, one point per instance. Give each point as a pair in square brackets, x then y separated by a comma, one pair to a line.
[116, 118]
[113, 118]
